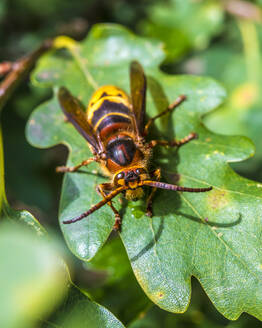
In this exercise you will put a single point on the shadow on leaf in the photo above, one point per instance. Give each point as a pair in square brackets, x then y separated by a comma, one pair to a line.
[211, 223]
[151, 243]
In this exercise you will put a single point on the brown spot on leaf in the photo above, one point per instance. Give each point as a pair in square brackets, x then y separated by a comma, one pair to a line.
[218, 199]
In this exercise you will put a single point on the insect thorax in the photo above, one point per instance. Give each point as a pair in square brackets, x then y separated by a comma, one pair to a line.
[121, 150]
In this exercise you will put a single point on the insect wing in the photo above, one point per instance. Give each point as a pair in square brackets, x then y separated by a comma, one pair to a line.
[138, 94]
[75, 114]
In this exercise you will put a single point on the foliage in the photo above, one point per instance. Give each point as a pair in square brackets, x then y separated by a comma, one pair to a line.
[183, 25]
[78, 310]
[240, 72]
[177, 243]
[32, 278]
[213, 236]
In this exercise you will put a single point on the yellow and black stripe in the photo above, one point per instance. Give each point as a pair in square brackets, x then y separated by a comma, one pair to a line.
[109, 110]
[109, 114]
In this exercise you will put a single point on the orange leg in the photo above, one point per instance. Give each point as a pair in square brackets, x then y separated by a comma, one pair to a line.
[149, 201]
[169, 109]
[174, 143]
[75, 168]
[94, 208]
[101, 190]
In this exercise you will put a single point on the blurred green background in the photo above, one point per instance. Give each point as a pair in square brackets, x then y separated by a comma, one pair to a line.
[221, 39]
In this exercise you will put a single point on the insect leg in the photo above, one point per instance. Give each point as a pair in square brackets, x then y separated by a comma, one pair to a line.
[94, 208]
[174, 143]
[172, 106]
[149, 201]
[75, 168]
[101, 189]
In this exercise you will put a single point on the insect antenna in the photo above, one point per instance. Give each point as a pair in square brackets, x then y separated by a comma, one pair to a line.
[163, 185]
[97, 206]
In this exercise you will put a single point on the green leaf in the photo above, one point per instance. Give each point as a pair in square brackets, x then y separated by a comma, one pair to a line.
[183, 25]
[120, 290]
[78, 311]
[214, 236]
[33, 277]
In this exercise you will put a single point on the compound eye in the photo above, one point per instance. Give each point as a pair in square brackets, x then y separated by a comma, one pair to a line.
[120, 175]
[138, 171]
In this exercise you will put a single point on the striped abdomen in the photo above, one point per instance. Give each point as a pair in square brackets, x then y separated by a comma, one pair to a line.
[109, 114]
[108, 111]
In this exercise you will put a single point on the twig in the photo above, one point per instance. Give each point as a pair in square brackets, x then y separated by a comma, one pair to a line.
[5, 67]
[243, 9]
[19, 70]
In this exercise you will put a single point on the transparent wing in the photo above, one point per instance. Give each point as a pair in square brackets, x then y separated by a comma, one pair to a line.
[75, 114]
[138, 94]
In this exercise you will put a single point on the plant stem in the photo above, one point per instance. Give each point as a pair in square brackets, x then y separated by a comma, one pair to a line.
[19, 70]
[251, 48]
[2, 178]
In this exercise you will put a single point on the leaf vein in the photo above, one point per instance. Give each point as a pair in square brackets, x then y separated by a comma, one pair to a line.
[157, 256]
[88, 76]
[219, 238]
[219, 188]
